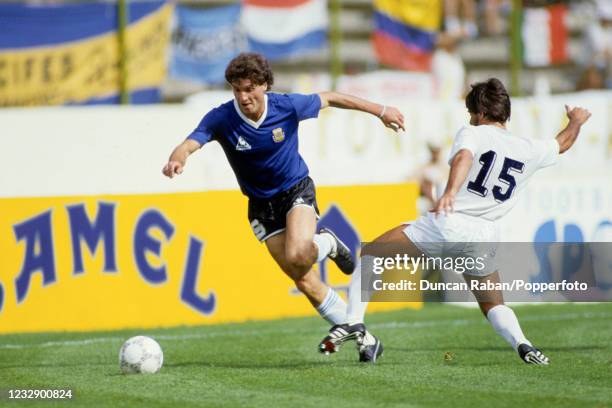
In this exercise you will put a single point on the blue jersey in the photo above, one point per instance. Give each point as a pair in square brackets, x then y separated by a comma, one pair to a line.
[263, 155]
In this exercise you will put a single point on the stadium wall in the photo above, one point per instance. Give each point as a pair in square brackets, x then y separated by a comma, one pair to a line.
[95, 237]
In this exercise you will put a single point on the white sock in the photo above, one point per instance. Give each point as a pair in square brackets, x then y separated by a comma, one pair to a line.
[333, 308]
[356, 308]
[325, 244]
[505, 323]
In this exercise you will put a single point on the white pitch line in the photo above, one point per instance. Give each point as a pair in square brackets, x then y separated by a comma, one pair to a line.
[390, 325]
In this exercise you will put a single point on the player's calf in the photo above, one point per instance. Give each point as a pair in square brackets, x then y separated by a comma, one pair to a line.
[312, 287]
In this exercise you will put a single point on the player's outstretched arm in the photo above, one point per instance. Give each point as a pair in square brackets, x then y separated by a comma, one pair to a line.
[178, 158]
[460, 167]
[577, 117]
[390, 116]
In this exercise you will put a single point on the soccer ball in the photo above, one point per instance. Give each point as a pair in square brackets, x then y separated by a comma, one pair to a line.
[140, 354]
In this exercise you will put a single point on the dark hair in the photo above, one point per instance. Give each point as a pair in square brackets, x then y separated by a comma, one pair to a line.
[249, 65]
[489, 98]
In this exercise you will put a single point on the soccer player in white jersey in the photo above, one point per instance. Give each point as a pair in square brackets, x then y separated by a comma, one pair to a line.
[258, 131]
[489, 169]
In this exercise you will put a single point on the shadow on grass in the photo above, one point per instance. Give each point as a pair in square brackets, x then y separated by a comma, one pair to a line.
[448, 348]
[259, 366]
[573, 348]
[498, 348]
[53, 365]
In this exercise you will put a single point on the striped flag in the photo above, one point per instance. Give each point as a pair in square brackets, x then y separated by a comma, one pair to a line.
[545, 35]
[405, 32]
[67, 54]
[204, 41]
[281, 29]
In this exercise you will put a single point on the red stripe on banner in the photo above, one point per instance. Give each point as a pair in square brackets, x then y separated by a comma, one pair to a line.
[558, 33]
[394, 53]
[275, 3]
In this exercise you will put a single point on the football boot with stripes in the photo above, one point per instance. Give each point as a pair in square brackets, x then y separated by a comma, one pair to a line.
[342, 256]
[532, 355]
[370, 348]
[340, 334]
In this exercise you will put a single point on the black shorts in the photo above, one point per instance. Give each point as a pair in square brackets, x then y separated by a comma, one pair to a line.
[268, 216]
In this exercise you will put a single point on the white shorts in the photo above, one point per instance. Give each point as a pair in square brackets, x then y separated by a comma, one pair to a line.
[457, 235]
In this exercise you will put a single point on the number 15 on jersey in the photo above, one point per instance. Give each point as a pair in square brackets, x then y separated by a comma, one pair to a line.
[505, 176]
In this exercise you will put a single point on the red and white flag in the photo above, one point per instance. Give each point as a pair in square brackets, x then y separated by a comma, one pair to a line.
[545, 35]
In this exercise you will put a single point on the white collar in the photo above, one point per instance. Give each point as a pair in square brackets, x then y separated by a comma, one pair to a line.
[257, 124]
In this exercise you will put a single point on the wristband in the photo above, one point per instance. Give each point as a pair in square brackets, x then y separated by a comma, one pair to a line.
[383, 112]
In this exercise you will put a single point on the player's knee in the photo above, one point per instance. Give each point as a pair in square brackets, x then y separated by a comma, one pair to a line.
[299, 259]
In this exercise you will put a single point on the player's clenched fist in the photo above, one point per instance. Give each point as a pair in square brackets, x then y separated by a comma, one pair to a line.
[577, 115]
[172, 168]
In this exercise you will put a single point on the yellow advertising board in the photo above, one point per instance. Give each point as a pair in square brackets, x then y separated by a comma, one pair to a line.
[108, 262]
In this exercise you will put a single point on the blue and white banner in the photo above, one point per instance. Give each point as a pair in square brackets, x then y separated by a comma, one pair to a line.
[282, 29]
[204, 41]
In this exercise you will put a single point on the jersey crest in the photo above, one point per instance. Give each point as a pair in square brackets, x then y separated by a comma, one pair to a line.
[278, 135]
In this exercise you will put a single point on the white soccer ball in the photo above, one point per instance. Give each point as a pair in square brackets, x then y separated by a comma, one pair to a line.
[140, 354]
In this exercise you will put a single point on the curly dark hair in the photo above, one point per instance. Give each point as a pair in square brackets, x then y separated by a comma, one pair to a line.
[249, 65]
[489, 98]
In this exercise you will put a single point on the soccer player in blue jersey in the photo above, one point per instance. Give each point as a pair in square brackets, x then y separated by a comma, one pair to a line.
[258, 130]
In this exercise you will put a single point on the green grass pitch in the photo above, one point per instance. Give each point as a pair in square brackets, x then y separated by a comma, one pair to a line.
[270, 364]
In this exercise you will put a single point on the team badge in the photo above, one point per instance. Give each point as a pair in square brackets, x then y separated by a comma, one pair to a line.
[278, 135]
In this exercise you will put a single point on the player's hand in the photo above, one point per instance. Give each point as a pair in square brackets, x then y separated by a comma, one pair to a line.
[393, 119]
[577, 115]
[172, 168]
[444, 205]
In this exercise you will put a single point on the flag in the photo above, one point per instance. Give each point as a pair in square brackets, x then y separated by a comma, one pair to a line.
[68, 53]
[204, 41]
[405, 32]
[282, 29]
[545, 35]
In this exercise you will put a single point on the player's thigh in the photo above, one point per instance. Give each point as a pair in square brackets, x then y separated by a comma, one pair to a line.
[391, 243]
[301, 226]
[276, 248]
[486, 299]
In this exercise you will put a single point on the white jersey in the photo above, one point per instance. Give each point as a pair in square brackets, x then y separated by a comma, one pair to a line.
[502, 165]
